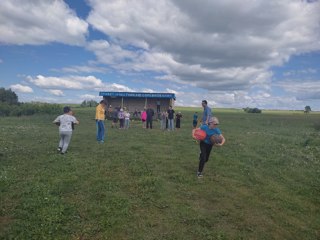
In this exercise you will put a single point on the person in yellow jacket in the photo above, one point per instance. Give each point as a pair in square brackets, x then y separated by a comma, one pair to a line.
[100, 116]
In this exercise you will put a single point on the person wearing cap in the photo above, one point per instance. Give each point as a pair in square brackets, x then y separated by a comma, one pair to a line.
[207, 113]
[206, 145]
[100, 117]
[65, 123]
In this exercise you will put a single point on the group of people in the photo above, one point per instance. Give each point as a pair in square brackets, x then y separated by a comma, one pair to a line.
[166, 118]
[209, 124]
[124, 118]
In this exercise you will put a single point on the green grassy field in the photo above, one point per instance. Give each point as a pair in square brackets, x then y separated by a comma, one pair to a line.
[141, 184]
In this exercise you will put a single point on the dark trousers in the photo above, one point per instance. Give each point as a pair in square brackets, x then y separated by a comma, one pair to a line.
[121, 123]
[204, 155]
[149, 123]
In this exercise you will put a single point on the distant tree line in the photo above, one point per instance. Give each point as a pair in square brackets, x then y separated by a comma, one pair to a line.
[10, 106]
[252, 110]
[90, 103]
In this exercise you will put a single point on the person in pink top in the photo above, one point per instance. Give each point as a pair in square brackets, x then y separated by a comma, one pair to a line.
[144, 118]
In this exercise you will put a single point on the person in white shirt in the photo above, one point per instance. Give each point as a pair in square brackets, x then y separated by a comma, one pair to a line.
[66, 123]
[126, 120]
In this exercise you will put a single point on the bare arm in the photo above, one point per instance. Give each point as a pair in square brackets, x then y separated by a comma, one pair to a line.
[223, 140]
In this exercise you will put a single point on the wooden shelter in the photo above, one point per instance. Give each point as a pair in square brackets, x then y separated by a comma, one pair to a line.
[133, 101]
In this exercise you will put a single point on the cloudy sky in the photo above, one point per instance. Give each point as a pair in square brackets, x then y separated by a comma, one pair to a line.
[248, 53]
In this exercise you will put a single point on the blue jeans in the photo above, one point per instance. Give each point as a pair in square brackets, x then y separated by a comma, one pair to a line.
[171, 124]
[126, 123]
[100, 130]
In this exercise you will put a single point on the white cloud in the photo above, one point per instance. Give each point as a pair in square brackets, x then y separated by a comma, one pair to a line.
[222, 49]
[114, 87]
[215, 45]
[40, 22]
[89, 97]
[303, 90]
[21, 88]
[56, 92]
[307, 71]
[110, 54]
[66, 82]
[168, 90]
[83, 69]
[147, 90]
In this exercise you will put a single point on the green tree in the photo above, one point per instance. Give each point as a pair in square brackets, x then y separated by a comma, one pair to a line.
[8, 96]
[90, 103]
[307, 109]
[252, 110]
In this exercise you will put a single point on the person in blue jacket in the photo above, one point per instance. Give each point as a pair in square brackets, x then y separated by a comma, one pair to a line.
[207, 112]
[212, 131]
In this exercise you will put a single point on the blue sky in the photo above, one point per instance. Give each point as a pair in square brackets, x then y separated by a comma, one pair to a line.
[248, 53]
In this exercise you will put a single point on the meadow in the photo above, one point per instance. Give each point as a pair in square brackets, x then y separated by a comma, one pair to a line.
[141, 184]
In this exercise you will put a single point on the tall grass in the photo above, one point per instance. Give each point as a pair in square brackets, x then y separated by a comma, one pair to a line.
[142, 184]
[27, 109]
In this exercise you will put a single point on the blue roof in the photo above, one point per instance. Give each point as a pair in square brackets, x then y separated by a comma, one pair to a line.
[137, 94]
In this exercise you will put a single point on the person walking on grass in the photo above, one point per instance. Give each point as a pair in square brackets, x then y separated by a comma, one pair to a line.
[195, 120]
[66, 125]
[207, 113]
[206, 145]
[100, 117]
